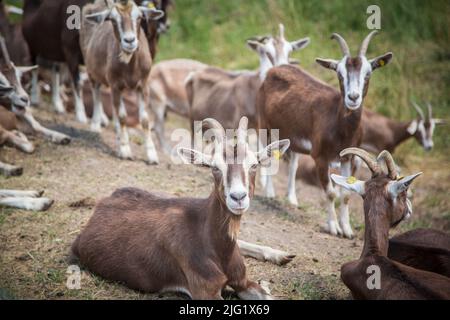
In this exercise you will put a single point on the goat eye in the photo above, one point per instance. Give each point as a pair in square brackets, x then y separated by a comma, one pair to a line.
[215, 170]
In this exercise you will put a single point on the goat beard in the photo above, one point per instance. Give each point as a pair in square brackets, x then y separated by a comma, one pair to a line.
[234, 225]
[125, 57]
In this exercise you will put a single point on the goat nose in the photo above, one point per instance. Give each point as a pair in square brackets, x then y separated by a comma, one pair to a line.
[24, 99]
[238, 196]
[353, 96]
[130, 39]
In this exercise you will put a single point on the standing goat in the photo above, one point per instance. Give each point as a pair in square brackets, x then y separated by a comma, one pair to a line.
[226, 96]
[117, 55]
[385, 206]
[318, 119]
[155, 243]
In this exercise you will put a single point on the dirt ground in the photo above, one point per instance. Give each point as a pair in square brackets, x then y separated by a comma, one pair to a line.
[34, 245]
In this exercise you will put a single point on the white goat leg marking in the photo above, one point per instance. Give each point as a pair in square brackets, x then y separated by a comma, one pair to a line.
[34, 204]
[344, 217]
[263, 253]
[56, 94]
[270, 190]
[254, 294]
[35, 89]
[332, 224]
[20, 193]
[152, 156]
[293, 166]
[98, 109]
[124, 141]
[79, 105]
[55, 137]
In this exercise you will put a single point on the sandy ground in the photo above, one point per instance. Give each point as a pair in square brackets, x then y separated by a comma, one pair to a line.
[34, 245]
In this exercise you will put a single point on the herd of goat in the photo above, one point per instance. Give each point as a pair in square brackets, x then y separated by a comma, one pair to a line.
[157, 243]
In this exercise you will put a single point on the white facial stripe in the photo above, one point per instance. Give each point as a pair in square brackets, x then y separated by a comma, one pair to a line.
[353, 82]
[4, 81]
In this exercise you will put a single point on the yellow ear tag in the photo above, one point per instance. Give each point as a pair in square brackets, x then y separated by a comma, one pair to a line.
[399, 178]
[382, 62]
[351, 180]
[151, 5]
[277, 154]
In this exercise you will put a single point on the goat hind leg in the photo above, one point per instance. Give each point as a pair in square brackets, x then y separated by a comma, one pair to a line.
[35, 95]
[152, 156]
[56, 87]
[293, 166]
[96, 120]
[264, 253]
[10, 170]
[80, 111]
[123, 141]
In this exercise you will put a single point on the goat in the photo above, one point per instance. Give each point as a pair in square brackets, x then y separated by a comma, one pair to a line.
[385, 206]
[13, 96]
[117, 55]
[17, 100]
[227, 97]
[318, 119]
[155, 243]
[382, 133]
[48, 37]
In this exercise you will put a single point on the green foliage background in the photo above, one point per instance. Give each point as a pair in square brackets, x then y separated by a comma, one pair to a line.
[416, 31]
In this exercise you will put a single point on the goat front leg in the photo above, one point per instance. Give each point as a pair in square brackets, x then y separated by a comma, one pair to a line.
[56, 87]
[19, 141]
[264, 253]
[152, 156]
[252, 291]
[344, 217]
[96, 121]
[332, 225]
[120, 118]
[80, 111]
[158, 109]
[293, 166]
[27, 203]
[9, 170]
[35, 97]
[54, 136]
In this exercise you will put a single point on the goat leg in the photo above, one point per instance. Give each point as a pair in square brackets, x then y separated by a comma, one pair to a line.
[264, 253]
[54, 136]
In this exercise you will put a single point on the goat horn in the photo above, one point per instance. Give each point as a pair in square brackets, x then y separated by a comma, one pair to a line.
[365, 43]
[281, 26]
[390, 163]
[4, 50]
[365, 156]
[419, 110]
[430, 110]
[342, 43]
[213, 124]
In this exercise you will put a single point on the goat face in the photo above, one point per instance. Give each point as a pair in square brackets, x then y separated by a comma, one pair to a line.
[354, 72]
[423, 127]
[12, 93]
[387, 191]
[233, 164]
[126, 17]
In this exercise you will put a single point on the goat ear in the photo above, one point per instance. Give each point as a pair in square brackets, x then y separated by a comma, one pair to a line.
[300, 44]
[254, 45]
[26, 69]
[190, 156]
[274, 150]
[381, 61]
[98, 17]
[328, 63]
[399, 186]
[151, 13]
[349, 183]
[412, 128]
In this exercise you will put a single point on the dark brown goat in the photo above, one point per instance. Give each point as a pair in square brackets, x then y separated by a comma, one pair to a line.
[157, 243]
[375, 275]
[318, 119]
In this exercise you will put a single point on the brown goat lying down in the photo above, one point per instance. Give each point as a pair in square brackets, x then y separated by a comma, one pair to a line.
[155, 243]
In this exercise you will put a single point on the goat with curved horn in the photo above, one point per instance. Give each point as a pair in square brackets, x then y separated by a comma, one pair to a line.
[418, 109]
[390, 163]
[342, 43]
[365, 156]
[218, 130]
[365, 43]
[430, 110]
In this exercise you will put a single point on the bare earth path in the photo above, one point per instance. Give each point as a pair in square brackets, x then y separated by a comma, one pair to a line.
[34, 246]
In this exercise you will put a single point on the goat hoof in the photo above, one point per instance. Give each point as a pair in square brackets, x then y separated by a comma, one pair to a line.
[65, 141]
[14, 172]
[96, 127]
[286, 259]
[333, 228]
[293, 200]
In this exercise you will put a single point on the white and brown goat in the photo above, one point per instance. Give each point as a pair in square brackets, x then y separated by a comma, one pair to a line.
[157, 243]
[117, 55]
[385, 206]
[318, 119]
[227, 96]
